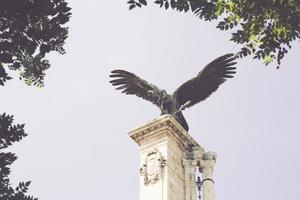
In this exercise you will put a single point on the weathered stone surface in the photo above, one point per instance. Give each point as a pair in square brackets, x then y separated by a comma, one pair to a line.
[166, 136]
[169, 158]
[207, 167]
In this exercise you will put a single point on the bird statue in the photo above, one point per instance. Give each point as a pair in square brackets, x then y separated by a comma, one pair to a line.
[188, 94]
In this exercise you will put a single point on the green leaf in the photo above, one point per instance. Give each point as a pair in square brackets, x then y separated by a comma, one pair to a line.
[173, 4]
[131, 6]
[144, 2]
[166, 5]
[27, 183]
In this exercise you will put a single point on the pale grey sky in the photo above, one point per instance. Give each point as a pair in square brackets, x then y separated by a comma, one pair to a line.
[78, 146]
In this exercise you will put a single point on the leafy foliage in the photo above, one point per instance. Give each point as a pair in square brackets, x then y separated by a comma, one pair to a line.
[263, 28]
[10, 133]
[29, 29]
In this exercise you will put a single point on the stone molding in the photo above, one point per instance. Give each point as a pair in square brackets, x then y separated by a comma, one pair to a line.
[164, 124]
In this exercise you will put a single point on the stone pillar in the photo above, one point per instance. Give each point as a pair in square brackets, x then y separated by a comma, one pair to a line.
[190, 181]
[165, 175]
[207, 167]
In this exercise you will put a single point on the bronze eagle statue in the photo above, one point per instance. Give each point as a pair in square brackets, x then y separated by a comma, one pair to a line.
[188, 94]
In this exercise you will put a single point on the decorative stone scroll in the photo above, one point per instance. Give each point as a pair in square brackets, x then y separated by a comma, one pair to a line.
[152, 167]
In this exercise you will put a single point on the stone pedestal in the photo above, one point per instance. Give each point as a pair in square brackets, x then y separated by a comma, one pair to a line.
[169, 158]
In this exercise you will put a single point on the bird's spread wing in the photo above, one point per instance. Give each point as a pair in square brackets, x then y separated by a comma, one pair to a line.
[129, 83]
[207, 81]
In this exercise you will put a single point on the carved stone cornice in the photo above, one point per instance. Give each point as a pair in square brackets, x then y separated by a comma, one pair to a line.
[164, 124]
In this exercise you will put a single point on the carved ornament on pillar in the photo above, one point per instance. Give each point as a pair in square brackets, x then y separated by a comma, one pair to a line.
[152, 167]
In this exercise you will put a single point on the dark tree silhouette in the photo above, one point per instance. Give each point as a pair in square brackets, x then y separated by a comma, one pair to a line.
[10, 133]
[29, 29]
[263, 28]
